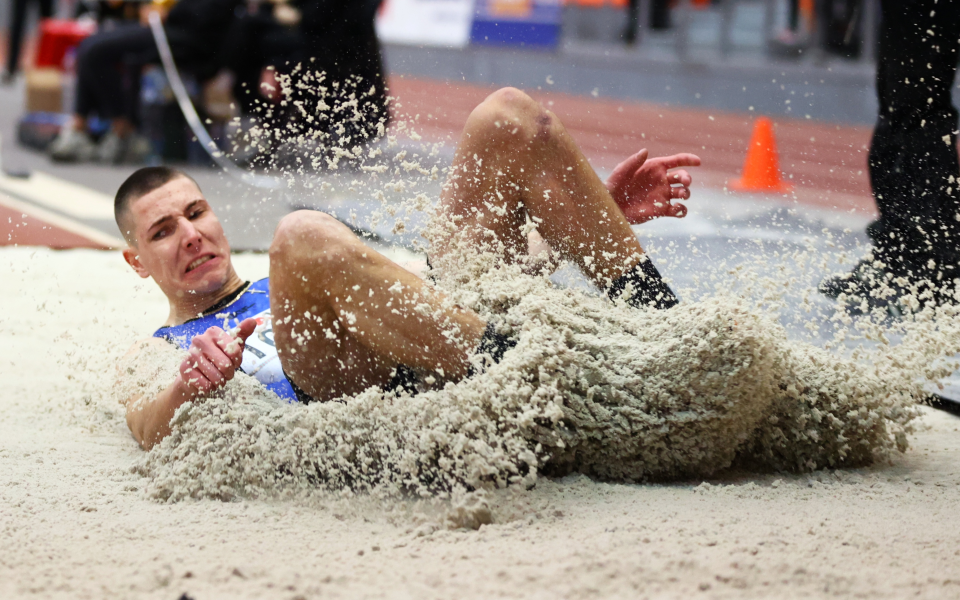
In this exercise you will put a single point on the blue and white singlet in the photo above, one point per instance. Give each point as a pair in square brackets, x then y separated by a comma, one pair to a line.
[260, 358]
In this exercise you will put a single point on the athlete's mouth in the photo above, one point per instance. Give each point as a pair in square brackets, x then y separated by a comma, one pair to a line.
[199, 262]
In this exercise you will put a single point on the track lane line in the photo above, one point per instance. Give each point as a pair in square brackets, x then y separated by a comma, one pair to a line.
[60, 195]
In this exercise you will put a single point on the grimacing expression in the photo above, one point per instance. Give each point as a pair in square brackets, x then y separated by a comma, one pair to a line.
[179, 240]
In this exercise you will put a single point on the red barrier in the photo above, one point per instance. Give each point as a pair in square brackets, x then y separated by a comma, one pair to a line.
[57, 36]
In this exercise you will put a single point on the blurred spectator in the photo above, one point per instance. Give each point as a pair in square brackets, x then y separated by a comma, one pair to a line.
[840, 23]
[330, 51]
[263, 35]
[659, 18]
[913, 163]
[792, 41]
[793, 15]
[18, 19]
[109, 66]
[340, 40]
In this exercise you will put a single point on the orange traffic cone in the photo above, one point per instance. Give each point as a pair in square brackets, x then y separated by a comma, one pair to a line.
[761, 170]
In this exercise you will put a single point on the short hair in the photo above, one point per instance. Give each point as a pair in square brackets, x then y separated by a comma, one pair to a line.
[139, 184]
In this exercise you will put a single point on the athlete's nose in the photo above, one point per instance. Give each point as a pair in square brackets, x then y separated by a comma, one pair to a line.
[191, 236]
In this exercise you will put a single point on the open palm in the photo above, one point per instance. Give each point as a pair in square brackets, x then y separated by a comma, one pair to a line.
[644, 189]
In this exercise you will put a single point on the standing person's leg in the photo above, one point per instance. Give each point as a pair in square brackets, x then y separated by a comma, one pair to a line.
[18, 17]
[633, 22]
[515, 160]
[245, 56]
[913, 155]
[345, 317]
[73, 143]
[660, 14]
[108, 76]
[101, 63]
[793, 15]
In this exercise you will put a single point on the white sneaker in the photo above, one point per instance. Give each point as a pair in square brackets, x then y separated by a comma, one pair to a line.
[71, 145]
[115, 150]
[136, 150]
[110, 148]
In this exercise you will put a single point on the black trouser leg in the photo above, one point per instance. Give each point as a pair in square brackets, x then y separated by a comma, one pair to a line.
[18, 17]
[253, 42]
[793, 21]
[913, 155]
[660, 14]
[108, 71]
[633, 21]
[18, 21]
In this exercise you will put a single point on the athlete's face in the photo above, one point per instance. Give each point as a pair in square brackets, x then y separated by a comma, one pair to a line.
[180, 242]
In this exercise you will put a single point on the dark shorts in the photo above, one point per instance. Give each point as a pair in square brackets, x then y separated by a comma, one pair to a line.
[404, 379]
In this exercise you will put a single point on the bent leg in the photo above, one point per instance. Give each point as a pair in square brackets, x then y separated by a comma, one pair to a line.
[516, 160]
[103, 70]
[344, 316]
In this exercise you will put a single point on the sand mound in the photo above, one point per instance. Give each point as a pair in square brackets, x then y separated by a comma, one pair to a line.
[592, 387]
[77, 524]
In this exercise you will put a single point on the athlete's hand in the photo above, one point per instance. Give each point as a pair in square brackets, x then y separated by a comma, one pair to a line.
[643, 189]
[213, 358]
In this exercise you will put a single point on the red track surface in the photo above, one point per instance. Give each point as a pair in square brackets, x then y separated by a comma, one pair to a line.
[828, 162]
[19, 229]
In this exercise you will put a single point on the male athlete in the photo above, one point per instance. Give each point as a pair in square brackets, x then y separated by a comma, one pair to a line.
[335, 317]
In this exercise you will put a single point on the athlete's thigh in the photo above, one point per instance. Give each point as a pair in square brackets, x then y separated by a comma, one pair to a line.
[317, 351]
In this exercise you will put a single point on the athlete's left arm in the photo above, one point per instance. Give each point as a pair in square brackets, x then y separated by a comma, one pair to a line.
[152, 393]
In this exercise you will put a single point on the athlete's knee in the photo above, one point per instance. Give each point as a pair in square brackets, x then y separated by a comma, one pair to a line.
[308, 235]
[316, 242]
[511, 113]
[511, 101]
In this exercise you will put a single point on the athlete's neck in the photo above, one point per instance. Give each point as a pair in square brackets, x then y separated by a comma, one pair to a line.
[188, 306]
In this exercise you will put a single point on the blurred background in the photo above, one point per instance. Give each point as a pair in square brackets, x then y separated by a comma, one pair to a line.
[807, 59]
[86, 97]
[805, 63]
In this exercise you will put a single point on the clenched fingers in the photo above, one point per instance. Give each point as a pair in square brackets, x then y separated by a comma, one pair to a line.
[209, 370]
[231, 347]
[214, 353]
[193, 377]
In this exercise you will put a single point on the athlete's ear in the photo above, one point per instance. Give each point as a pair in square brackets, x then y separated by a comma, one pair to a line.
[133, 259]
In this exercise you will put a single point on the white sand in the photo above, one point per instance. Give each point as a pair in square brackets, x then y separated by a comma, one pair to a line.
[76, 522]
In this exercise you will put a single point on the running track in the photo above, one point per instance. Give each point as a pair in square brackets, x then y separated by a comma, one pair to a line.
[828, 162]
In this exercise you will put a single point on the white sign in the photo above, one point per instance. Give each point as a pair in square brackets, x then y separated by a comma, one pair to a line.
[425, 22]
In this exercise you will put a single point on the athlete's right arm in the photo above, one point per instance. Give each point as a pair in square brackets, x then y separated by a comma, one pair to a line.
[211, 361]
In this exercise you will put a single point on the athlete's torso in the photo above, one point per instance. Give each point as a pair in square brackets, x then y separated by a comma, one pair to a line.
[260, 358]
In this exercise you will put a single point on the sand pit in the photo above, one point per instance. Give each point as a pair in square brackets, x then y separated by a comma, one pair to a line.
[79, 522]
